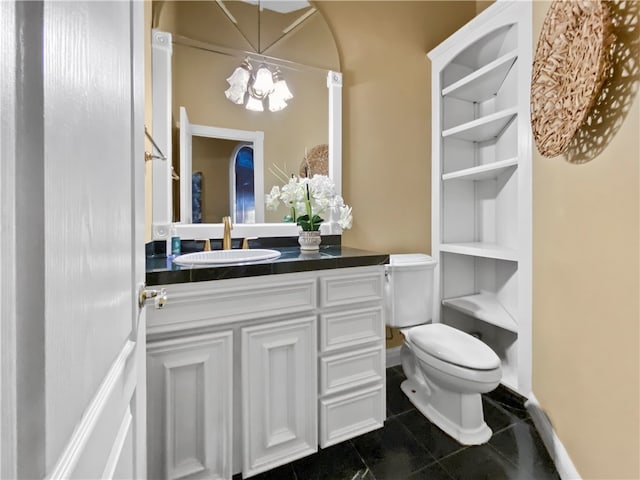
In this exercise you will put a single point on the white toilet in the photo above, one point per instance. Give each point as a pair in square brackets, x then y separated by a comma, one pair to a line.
[447, 369]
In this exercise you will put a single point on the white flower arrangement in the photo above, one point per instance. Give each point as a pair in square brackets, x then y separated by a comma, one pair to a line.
[314, 197]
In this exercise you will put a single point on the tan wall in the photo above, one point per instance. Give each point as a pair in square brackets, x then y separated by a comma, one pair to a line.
[586, 292]
[387, 117]
[211, 156]
[482, 5]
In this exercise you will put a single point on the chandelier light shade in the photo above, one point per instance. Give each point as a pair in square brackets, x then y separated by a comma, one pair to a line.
[238, 82]
[249, 86]
[263, 83]
[276, 103]
[280, 87]
[254, 104]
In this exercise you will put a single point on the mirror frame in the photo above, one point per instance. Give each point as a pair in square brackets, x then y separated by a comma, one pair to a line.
[161, 53]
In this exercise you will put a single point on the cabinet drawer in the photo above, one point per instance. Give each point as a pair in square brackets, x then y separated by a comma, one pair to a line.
[340, 372]
[207, 304]
[351, 328]
[346, 289]
[346, 416]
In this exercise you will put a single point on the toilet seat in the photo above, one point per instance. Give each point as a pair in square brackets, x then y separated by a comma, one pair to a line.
[452, 346]
[452, 370]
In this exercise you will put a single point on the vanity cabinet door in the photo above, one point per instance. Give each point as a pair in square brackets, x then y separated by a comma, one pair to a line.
[279, 393]
[189, 412]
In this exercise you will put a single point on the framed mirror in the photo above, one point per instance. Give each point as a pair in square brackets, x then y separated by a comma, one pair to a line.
[190, 67]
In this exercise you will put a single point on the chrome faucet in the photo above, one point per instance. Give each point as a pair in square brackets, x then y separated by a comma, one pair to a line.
[226, 239]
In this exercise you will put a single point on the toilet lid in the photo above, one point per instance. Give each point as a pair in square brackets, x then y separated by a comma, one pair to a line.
[453, 346]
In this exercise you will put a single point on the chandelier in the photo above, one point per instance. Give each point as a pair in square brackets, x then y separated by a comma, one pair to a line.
[251, 86]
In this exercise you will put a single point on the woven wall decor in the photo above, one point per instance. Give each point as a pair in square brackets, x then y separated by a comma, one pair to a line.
[316, 161]
[569, 67]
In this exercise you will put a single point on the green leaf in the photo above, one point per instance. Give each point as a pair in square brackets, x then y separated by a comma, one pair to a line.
[309, 225]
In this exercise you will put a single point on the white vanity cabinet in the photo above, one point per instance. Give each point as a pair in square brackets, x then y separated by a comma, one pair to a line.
[481, 184]
[251, 373]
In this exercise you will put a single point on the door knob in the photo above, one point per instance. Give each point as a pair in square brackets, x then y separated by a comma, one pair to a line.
[159, 296]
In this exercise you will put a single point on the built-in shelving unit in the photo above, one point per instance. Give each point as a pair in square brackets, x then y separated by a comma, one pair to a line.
[481, 174]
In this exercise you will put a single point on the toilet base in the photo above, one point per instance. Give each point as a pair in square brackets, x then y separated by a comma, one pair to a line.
[475, 434]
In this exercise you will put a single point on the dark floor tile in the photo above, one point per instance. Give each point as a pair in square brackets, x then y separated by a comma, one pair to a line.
[432, 472]
[338, 462]
[510, 401]
[397, 401]
[496, 417]
[523, 447]
[438, 443]
[392, 452]
[522, 414]
[284, 472]
[397, 369]
[478, 463]
[411, 447]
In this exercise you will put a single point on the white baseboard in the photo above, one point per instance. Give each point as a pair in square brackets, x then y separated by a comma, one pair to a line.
[564, 465]
[393, 356]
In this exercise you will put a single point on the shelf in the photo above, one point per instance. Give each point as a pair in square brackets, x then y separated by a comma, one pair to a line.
[484, 128]
[481, 249]
[485, 307]
[482, 172]
[483, 83]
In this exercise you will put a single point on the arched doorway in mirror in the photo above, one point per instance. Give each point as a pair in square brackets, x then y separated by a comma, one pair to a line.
[242, 185]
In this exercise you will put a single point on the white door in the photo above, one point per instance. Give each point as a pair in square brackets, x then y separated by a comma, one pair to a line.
[78, 398]
[94, 244]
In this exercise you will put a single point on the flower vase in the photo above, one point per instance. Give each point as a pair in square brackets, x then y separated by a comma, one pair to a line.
[309, 241]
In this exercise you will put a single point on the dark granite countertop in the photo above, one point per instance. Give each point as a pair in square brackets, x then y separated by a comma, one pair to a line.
[161, 270]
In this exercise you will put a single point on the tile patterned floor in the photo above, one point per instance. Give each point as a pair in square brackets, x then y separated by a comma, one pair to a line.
[410, 447]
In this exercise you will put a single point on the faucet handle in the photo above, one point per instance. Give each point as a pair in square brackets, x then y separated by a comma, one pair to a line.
[207, 245]
[245, 242]
[226, 238]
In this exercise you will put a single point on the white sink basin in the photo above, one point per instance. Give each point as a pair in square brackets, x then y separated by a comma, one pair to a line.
[216, 257]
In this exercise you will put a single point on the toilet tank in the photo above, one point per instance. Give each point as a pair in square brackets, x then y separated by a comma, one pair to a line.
[409, 289]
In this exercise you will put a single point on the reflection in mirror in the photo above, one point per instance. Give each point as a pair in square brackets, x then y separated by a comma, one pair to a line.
[215, 159]
[212, 198]
[263, 23]
[241, 184]
[202, 47]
